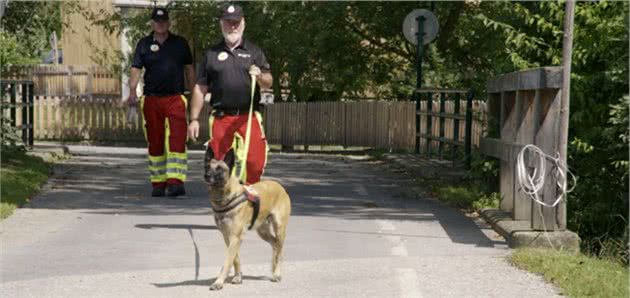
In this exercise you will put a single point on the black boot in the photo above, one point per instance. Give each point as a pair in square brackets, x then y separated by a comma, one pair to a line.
[175, 190]
[158, 191]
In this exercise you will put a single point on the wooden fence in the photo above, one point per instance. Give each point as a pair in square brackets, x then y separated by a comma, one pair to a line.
[376, 124]
[66, 80]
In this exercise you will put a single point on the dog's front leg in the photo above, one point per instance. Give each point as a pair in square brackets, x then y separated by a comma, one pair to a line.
[232, 251]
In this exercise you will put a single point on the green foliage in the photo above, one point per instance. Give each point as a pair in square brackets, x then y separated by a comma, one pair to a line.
[10, 139]
[10, 52]
[467, 196]
[576, 275]
[26, 28]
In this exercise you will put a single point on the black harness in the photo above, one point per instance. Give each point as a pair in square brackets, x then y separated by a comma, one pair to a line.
[237, 200]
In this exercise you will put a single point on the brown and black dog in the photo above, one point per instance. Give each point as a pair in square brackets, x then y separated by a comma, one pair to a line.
[234, 213]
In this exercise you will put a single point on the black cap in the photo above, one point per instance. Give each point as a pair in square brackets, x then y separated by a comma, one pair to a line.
[231, 12]
[159, 14]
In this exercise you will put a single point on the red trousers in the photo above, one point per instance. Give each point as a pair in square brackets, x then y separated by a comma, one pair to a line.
[222, 132]
[166, 131]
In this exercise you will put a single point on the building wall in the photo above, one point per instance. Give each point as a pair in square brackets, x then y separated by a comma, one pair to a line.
[80, 33]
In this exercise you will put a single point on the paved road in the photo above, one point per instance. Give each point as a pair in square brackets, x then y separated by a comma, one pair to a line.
[95, 232]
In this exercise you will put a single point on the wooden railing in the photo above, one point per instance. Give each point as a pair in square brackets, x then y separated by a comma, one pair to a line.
[64, 80]
[524, 108]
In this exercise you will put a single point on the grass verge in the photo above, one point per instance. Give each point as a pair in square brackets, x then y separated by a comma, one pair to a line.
[576, 275]
[21, 176]
[466, 196]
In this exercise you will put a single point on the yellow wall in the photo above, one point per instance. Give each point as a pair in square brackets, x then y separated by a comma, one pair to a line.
[76, 38]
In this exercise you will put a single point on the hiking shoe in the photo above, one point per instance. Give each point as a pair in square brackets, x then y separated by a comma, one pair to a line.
[158, 192]
[175, 190]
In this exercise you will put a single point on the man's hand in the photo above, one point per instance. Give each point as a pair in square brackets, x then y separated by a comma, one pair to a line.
[193, 130]
[132, 100]
[254, 71]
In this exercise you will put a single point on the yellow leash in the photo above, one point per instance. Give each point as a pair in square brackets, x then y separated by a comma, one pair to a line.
[243, 173]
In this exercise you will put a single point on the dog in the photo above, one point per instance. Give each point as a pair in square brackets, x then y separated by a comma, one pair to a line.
[234, 213]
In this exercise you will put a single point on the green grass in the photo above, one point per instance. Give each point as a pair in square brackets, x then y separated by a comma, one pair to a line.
[21, 176]
[576, 275]
[466, 196]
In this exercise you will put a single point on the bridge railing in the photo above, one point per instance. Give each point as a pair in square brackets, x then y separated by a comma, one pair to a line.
[524, 108]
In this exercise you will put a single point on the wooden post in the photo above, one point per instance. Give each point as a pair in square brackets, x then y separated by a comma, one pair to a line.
[429, 129]
[468, 131]
[441, 132]
[68, 83]
[89, 81]
[563, 136]
[456, 125]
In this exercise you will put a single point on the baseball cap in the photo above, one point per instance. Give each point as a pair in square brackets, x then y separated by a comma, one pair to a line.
[232, 12]
[159, 14]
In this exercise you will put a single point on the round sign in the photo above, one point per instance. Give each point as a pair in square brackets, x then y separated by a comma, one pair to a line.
[410, 26]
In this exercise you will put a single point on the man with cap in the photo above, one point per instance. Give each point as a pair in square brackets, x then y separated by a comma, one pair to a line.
[166, 57]
[226, 71]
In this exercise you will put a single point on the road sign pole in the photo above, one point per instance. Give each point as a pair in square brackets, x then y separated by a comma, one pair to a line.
[419, 50]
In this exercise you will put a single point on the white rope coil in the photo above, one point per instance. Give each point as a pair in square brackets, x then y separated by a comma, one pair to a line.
[533, 184]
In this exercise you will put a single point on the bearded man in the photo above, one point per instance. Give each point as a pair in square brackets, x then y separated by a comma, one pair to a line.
[226, 71]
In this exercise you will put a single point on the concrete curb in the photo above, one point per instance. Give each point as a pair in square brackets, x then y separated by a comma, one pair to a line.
[519, 233]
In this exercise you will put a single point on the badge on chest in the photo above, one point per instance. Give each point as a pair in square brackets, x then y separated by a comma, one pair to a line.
[222, 56]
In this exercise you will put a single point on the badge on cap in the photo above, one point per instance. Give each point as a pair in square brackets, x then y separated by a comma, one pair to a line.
[222, 56]
[160, 12]
[155, 48]
[231, 9]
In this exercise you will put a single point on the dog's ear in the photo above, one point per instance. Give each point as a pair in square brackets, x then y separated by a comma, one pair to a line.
[229, 159]
[209, 154]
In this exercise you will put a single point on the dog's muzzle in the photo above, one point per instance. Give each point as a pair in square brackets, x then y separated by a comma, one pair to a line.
[215, 179]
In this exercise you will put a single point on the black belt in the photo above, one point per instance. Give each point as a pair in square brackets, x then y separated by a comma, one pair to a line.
[223, 111]
[162, 95]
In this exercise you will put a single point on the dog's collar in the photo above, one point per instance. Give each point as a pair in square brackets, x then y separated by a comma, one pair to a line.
[234, 202]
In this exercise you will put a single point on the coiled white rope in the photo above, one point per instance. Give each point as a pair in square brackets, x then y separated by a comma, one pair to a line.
[533, 184]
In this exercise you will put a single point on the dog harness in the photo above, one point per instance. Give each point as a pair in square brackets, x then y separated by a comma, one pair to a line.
[248, 195]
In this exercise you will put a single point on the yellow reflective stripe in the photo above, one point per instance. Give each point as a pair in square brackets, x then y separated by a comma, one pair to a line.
[185, 101]
[167, 135]
[260, 124]
[159, 158]
[144, 122]
[176, 166]
[158, 178]
[180, 155]
[157, 168]
[210, 122]
[179, 177]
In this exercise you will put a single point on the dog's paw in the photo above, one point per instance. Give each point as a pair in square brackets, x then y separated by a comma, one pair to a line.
[276, 278]
[216, 287]
[237, 279]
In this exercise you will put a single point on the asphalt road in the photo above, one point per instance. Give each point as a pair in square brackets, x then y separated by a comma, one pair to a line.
[95, 232]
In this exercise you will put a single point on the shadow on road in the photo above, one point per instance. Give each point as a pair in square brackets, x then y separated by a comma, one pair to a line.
[205, 282]
[319, 187]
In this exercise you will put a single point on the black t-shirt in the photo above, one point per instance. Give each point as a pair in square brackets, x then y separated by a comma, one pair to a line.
[226, 73]
[163, 63]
